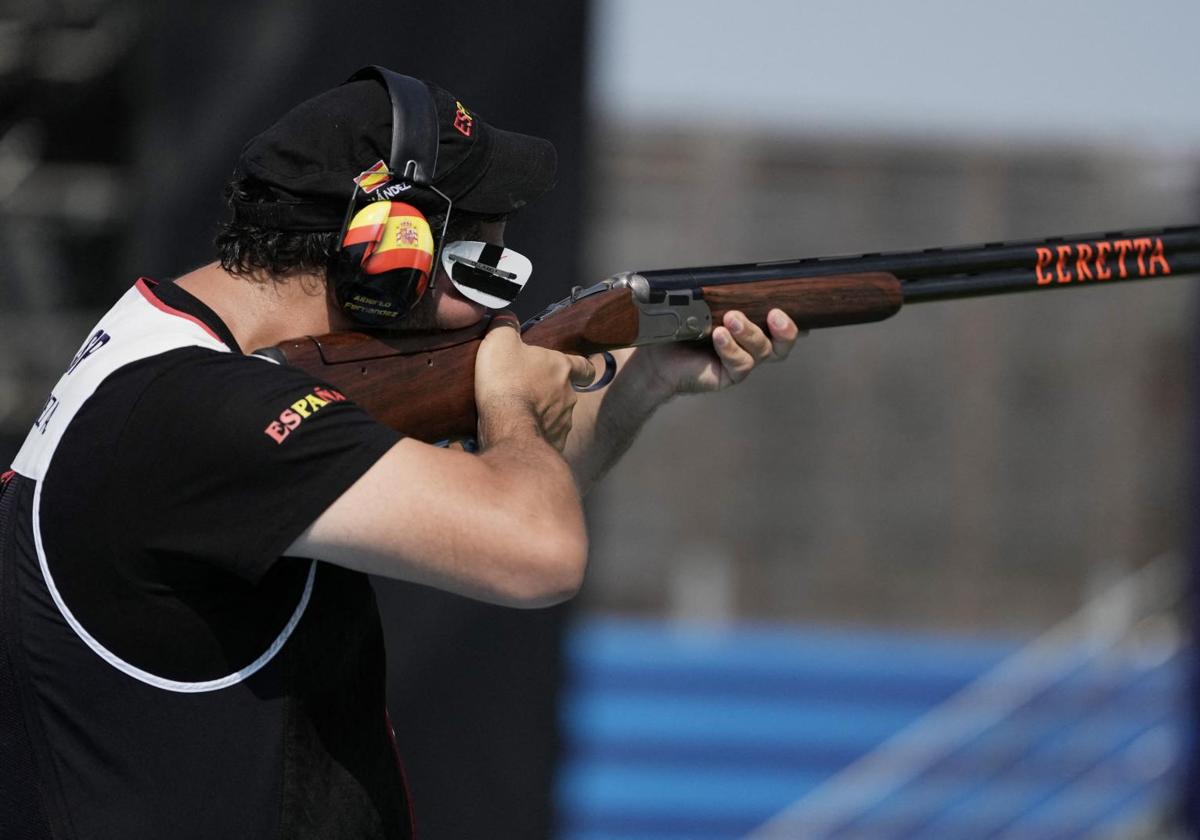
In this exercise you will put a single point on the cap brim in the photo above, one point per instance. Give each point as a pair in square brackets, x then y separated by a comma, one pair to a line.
[519, 169]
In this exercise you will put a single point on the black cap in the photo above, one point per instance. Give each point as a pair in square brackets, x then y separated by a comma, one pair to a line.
[301, 170]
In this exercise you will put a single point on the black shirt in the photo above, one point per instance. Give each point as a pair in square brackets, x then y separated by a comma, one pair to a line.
[164, 671]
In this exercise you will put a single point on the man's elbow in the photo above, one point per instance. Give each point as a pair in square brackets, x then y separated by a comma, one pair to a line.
[555, 566]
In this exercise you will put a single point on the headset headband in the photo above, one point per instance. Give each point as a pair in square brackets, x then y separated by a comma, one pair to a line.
[414, 140]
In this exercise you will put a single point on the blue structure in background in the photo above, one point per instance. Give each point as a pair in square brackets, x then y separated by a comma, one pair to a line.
[702, 733]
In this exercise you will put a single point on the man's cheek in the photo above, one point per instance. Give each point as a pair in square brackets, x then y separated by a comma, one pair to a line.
[423, 315]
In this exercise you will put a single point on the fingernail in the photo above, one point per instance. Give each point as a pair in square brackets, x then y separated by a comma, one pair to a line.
[777, 320]
[735, 325]
[720, 339]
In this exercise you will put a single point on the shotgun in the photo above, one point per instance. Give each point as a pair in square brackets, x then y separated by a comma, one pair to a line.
[422, 383]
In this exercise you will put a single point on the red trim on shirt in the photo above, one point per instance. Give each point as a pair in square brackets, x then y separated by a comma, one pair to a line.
[145, 284]
[391, 731]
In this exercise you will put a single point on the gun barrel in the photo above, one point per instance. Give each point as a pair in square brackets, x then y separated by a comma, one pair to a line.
[1023, 280]
[991, 268]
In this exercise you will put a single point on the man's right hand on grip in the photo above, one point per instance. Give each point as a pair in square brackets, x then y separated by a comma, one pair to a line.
[523, 389]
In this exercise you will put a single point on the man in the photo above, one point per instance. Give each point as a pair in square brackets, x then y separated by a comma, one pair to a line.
[189, 646]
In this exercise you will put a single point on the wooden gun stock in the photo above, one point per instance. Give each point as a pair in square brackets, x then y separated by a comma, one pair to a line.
[423, 384]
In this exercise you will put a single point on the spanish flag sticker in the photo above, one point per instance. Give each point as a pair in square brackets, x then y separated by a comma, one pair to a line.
[395, 236]
[406, 242]
[373, 178]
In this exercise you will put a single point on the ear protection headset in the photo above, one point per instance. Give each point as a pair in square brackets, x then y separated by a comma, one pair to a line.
[386, 250]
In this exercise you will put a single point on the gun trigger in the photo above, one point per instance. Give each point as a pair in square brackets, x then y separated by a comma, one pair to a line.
[610, 370]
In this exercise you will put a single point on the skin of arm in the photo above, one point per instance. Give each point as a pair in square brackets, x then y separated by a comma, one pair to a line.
[606, 421]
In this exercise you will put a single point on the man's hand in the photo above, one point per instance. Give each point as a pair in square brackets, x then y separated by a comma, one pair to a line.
[738, 346]
[516, 383]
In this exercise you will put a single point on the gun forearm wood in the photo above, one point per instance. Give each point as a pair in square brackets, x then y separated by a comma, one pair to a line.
[812, 302]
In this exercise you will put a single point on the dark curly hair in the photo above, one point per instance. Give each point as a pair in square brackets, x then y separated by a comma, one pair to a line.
[250, 250]
[247, 249]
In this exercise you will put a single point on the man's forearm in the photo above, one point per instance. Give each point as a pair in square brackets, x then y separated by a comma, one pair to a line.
[605, 422]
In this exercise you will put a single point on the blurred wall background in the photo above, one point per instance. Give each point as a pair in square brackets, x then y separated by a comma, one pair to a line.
[973, 469]
[978, 464]
[971, 464]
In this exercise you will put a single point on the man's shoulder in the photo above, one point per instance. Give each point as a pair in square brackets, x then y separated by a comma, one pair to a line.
[194, 362]
[223, 387]
[180, 371]
[225, 375]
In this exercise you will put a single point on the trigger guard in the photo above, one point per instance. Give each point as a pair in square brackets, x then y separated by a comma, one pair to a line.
[610, 370]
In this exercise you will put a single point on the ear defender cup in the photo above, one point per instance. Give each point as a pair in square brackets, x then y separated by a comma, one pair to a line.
[383, 266]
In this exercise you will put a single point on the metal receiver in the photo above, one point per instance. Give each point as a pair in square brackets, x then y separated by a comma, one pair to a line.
[675, 315]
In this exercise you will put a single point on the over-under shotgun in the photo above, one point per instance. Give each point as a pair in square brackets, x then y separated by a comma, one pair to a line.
[423, 383]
